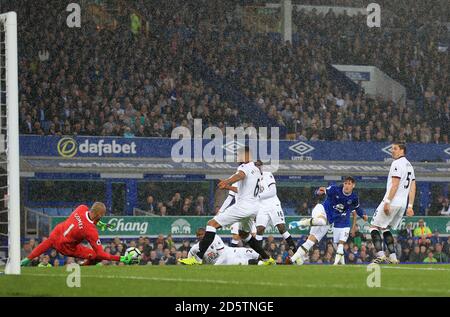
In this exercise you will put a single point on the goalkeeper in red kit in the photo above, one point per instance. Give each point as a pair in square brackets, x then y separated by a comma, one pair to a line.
[67, 236]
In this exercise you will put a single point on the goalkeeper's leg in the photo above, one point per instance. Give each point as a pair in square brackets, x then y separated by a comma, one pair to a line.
[41, 248]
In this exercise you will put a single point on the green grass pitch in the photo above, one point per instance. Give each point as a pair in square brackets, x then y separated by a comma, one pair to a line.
[185, 281]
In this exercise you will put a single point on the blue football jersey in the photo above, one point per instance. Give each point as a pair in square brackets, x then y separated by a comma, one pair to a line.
[339, 206]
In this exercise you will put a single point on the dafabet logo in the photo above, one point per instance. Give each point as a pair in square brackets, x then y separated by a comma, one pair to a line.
[68, 147]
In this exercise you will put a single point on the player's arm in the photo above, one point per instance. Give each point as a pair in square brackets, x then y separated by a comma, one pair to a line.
[240, 175]
[94, 241]
[411, 197]
[232, 188]
[391, 195]
[353, 230]
[359, 211]
[269, 192]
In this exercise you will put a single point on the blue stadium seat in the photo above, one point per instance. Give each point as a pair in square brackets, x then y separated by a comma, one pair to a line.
[51, 211]
[289, 211]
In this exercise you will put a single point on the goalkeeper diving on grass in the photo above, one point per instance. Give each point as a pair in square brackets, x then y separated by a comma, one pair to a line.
[81, 225]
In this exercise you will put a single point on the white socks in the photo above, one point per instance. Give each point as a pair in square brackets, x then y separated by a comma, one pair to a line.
[308, 244]
[301, 251]
[339, 255]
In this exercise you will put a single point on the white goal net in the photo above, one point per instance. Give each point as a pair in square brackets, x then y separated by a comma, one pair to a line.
[9, 146]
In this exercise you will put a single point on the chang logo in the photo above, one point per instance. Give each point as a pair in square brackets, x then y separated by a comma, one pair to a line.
[67, 147]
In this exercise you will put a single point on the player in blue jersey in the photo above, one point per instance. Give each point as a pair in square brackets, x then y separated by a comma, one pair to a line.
[339, 204]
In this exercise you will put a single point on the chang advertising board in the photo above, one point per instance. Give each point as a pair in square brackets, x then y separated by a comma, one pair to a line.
[179, 226]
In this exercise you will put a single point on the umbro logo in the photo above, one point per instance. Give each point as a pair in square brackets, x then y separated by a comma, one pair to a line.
[233, 146]
[387, 149]
[447, 150]
[301, 148]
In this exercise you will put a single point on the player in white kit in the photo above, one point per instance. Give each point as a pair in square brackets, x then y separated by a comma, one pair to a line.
[244, 210]
[270, 209]
[220, 254]
[235, 227]
[400, 194]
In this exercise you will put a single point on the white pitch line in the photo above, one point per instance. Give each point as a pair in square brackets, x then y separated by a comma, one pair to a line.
[416, 268]
[209, 281]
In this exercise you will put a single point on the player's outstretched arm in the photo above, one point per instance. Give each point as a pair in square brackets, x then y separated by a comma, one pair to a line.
[231, 180]
[411, 197]
[102, 226]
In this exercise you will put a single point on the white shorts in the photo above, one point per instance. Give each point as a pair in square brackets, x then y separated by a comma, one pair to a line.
[243, 213]
[235, 227]
[273, 215]
[393, 220]
[340, 234]
[237, 256]
[319, 231]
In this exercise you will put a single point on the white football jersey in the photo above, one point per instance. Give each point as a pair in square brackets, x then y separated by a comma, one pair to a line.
[268, 181]
[249, 186]
[402, 169]
[213, 252]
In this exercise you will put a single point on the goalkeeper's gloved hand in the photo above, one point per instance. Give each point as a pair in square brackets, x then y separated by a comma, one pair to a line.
[129, 259]
[294, 224]
[103, 226]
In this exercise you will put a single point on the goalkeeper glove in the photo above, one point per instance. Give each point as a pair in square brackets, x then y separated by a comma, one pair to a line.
[129, 259]
[102, 225]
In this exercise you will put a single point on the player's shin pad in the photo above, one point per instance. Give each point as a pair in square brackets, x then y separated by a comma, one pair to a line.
[389, 240]
[376, 239]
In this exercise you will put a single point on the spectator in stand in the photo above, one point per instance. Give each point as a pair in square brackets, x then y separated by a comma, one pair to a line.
[160, 240]
[430, 258]
[407, 233]
[175, 205]
[416, 256]
[150, 205]
[445, 211]
[439, 255]
[186, 246]
[423, 233]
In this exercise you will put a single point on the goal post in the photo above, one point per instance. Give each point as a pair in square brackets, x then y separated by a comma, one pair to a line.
[9, 125]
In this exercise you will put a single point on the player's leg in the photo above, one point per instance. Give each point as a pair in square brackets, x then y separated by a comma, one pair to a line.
[246, 227]
[210, 234]
[277, 219]
[315, 235]
[340, 237]
[318, 218]
[235, 237]
[244, 256]
[287, 236]
[380, 222]
[387, 235]
[262, 220]
[41, 248]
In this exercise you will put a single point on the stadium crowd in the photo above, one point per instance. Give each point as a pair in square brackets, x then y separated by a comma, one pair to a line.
[96, 81]
[177, 205]
[419, 245]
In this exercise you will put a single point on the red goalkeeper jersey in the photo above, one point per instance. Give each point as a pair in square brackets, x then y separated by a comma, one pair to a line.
[79, 227]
